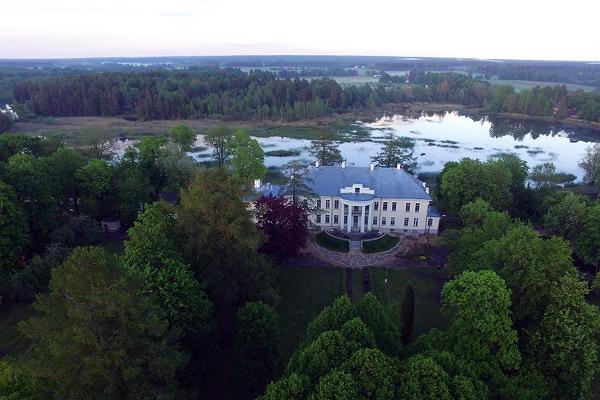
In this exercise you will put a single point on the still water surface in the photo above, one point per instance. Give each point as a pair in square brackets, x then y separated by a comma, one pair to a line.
[440, 138]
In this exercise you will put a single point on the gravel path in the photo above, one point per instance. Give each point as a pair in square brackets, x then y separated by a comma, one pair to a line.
[355, 259]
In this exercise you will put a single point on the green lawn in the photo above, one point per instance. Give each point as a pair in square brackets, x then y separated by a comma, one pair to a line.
[329, 242]
[384, 243]
[427, 283]
[305, 291]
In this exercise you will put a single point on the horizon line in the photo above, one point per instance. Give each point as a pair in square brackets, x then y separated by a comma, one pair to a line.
[406, 58]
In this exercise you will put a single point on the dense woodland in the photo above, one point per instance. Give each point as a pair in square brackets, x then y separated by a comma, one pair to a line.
[233, 94]
[196, 288]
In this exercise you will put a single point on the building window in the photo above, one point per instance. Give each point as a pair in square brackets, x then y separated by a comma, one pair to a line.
[327, 218]
[385, 206]
[407, 207]
[345, 220]
[383, 221]
[417, 207]
[393, 206]
[374, 220]
[392, 221]
[336, 219]
[405, 221]
[366, 221]
[356, 190]
[355, 208]
[305, 203]
[318, 218]
[376, 206]
[336, 204]
[319, 203]
[416, 222]
[430, 222]
[327, 203]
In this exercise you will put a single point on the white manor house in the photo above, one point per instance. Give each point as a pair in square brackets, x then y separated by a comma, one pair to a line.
[361, 199]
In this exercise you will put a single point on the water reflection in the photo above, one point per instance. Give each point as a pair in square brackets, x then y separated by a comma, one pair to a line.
[443, 137]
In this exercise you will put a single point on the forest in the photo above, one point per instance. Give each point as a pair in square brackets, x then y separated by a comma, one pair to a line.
[259, 95]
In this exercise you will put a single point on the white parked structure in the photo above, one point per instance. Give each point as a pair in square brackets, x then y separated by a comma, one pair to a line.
[361, 199]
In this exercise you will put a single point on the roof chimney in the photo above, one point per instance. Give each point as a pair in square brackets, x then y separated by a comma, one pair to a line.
[398, 166]
[427, 190]
[344, 164]
[257, 184]
[317, 164]
[372, 166]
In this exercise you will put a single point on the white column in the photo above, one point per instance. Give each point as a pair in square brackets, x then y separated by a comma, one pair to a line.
[362, 218]
[349, 217]
[370, 216]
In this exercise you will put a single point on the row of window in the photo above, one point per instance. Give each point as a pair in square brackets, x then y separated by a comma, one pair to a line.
[336, 220]
[384, 206]
[336, 205]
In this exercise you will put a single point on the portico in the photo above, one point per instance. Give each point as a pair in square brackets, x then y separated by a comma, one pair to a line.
[356, 212]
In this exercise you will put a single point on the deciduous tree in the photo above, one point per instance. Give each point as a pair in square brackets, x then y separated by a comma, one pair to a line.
[13, 230]
[565, 343]
[470, 180]
[96, 336]
[481, 329]
[247, 158]
[284, 225]
[183, 136]
[221, 240]
[257, 344]
[218, 137]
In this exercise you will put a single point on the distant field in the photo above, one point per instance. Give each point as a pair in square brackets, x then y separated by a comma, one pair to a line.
[520, 85]
[355, 80]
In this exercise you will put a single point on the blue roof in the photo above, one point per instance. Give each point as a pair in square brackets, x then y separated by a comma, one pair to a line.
[264, 190]
[386, 182]
[433, 212]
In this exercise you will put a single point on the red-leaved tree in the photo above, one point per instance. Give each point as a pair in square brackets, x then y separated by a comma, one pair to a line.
[283, 223]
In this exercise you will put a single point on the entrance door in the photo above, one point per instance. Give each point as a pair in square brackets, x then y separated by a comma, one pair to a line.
[355, 221]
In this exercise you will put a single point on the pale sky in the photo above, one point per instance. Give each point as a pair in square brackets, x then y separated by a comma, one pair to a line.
[519, 29]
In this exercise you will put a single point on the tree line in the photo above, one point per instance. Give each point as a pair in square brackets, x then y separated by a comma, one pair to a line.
[233, 94]
[192, 93]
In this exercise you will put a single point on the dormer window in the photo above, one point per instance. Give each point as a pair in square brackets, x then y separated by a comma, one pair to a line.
[356, 190]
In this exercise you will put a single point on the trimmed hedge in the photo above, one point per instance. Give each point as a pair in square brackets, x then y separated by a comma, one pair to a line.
[332, 243]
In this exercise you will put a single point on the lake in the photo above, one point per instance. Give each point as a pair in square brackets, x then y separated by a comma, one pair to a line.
[449, 137]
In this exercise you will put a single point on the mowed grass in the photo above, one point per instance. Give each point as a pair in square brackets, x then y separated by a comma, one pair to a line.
[305, 291]
[427, 283]
[384, 243]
